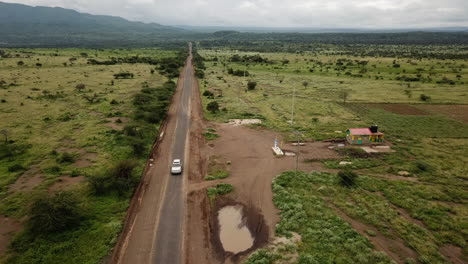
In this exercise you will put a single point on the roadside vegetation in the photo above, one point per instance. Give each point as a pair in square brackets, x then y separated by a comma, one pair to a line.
[414, 197]
[88, 115]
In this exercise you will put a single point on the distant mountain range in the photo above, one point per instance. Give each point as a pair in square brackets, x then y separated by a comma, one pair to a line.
[211, 29]
[28, 25]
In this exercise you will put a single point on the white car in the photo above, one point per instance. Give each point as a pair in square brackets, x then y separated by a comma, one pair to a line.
[176, 167]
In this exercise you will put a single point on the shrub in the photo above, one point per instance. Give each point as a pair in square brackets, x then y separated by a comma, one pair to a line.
[131, 130]
[423, 166]
[221, 174]
[347, 178]
[114, 102]
[55, 213]
[16, 167]
[251, 85]
[424, 97]
[220, 189]
[120, 178]
[123, 75]
[66, 158]
[80, 87]
[138, 146]
[213, 107]
[210, 136]
[208, 93]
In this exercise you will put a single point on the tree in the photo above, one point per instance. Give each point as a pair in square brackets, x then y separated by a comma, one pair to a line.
[80, 87]
[344, 94]
[251, 85]
[305, 84]
[20, 63]
[213, 107]
[55, 213]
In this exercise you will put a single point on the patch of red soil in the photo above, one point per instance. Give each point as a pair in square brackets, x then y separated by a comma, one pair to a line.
[8, 227]
[395, 248]
[115, 124]
[85, 160]
[26, 182]
[454, 254]
[66, 182]
[400, 109]
[458, 112]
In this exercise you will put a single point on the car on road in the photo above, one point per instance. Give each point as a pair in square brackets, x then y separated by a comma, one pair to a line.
[176, 167]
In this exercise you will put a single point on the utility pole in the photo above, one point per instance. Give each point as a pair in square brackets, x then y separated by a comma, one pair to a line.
[297, 133]
[292, 109]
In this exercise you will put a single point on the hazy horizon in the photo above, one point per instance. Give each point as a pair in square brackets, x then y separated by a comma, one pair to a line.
[334, 14]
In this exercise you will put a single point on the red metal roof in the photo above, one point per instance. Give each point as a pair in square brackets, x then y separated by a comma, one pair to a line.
[360, 131]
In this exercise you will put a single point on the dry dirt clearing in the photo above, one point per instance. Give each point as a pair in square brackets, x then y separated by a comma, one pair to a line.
[247, 156]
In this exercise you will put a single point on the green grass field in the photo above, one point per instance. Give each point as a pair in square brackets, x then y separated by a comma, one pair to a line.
[431, 146]
[44, 116]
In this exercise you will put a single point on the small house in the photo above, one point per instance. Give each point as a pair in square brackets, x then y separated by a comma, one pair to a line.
[366, 135]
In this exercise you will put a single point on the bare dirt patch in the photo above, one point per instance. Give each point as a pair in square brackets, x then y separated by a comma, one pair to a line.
[454, 254]
[117, 123]
[30, 179]
[85, 160]
[66, 182]
[8, 227]
[395, 248]
[458, 112]
[238, 122]
[400, 109]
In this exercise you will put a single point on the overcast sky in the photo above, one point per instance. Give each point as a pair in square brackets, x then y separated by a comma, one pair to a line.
[278, 13]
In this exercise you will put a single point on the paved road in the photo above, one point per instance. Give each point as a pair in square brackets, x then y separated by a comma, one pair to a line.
[155, 232]
[169, 237]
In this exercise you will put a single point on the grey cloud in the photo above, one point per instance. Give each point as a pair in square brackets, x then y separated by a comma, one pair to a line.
[278, 13]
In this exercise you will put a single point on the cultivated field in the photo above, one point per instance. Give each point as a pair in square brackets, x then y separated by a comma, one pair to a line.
[75, 136]
[410, 205]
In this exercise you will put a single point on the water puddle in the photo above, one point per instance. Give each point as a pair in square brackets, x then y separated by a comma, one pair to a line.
[234, 234]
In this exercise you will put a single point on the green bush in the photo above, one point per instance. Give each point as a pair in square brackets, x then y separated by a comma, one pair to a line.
[66, 158]
[121, 178]
[347, 178]
[220, 189]
[251, 85]
[423, 166]
[55, 213]
[221, 174]
[424, 97]
[210, 136]
[16, 168]
[213, 107]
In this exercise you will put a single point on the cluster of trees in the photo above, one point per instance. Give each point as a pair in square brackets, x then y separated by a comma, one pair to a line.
[247, 58]
[199, 64]
[151, 103]
[170, 67]
[238, 73]
[124, 75]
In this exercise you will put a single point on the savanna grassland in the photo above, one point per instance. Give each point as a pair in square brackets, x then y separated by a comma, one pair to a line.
[77, 126]
[407, 206]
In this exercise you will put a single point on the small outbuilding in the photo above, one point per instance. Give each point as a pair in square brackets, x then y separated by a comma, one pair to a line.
[366, 135]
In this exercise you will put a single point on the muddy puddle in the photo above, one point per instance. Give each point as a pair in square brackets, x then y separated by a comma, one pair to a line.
[234, 234]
